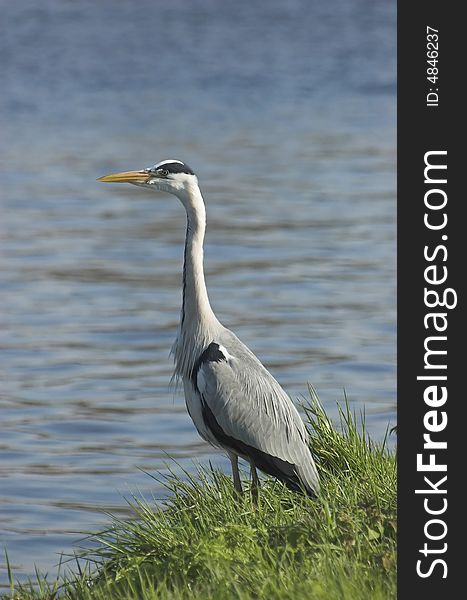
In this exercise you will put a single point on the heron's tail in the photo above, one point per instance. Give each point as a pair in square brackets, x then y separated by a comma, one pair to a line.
[308, 476]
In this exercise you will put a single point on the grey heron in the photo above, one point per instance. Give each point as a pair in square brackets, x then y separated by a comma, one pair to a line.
[233, 400]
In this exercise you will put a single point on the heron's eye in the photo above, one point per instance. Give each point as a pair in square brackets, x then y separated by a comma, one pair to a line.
[162, 172]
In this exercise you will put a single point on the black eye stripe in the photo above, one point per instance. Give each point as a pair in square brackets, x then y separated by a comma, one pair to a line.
[175, 167]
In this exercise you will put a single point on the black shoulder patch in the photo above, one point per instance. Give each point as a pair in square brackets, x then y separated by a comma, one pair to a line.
[210, 354]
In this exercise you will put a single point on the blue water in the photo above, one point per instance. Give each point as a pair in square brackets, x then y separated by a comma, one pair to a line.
[287, 113]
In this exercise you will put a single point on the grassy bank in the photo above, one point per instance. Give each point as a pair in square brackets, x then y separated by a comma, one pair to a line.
[207, 543]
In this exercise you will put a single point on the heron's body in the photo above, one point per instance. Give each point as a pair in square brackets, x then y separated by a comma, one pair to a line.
[233, 400]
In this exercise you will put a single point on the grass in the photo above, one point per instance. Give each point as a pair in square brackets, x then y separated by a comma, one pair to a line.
[205, 543]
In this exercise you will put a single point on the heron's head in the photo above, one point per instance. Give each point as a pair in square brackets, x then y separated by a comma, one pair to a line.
[172, 176]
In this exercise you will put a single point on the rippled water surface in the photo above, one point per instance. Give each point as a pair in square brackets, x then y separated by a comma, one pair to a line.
[287, 113]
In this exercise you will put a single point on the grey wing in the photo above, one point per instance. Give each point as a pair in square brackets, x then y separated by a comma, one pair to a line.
[248, 412]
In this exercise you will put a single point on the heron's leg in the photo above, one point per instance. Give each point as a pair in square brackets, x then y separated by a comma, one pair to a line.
[254, 483]
[236, 473]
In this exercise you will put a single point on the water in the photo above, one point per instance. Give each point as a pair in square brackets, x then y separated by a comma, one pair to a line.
[287, 113]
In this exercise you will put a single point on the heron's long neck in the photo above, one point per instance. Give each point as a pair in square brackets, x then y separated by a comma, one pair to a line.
[196, 309]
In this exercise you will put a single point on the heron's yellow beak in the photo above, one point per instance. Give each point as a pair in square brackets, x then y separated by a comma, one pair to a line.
[126, 177]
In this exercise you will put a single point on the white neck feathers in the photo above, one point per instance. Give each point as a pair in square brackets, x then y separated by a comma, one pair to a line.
[198, 324]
